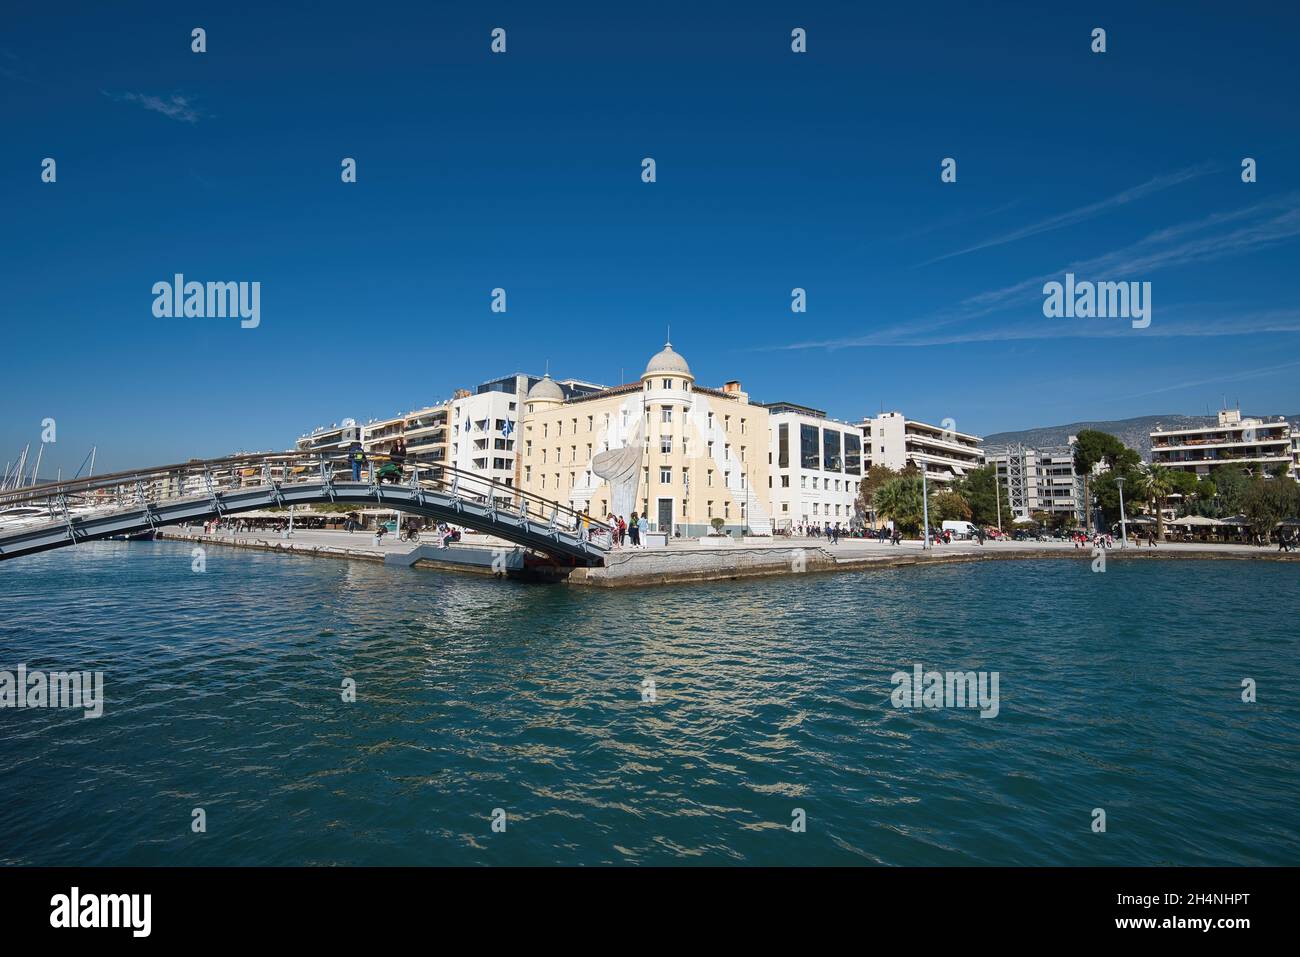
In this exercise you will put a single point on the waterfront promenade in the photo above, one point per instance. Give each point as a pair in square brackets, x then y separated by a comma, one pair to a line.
[692, 560]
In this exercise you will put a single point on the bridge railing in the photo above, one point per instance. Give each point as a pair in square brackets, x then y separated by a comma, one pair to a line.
[211, 478]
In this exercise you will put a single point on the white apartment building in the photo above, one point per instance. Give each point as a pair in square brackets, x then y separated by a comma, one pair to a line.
[484, 424]
[814, 467]
[1039, 480]
[379, 435]
[1257, 446]
[892, 440]
[333, 440]
[426, 434]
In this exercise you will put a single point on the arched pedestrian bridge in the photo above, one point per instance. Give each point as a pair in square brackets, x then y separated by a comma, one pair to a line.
[125, 503]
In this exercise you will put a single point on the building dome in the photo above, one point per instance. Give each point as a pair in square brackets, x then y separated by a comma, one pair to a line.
[667, 361]
[545, 390]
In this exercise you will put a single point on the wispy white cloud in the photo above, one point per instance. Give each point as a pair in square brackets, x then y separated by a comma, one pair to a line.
[1197, 327]
[1230, 377]
[1084, 213]
[1195, 242]
[12, 68]
[177, 106]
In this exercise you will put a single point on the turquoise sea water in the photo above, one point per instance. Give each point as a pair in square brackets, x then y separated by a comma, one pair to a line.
[1119, 691]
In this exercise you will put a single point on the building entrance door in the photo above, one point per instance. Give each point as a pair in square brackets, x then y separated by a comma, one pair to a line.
[666, 516]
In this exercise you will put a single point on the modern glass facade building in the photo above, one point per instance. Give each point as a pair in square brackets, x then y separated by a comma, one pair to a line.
[816, 467]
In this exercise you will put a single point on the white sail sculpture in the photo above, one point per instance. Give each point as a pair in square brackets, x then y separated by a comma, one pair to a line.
[621, 468]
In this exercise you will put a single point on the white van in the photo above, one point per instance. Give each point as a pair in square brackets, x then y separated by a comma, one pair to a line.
[960, 529]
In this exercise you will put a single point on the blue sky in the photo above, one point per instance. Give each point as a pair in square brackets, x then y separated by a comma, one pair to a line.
[522, 171]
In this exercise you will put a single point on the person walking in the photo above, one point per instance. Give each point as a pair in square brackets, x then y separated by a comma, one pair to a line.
[644, 527]
[633, 530]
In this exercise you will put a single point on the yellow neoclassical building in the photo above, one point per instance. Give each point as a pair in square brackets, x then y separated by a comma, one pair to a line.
[679, 453]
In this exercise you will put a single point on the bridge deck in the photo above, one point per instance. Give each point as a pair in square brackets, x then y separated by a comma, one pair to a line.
[132, 502]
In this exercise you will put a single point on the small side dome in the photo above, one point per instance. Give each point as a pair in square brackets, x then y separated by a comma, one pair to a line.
[667, 361]
[545, 391]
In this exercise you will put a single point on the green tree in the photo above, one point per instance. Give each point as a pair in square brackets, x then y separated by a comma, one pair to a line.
[876, 476]
[1231, 483]
[979, 489]
[949, 506]
[1266, 502]
[1093, 447]
[1157, 484]
[900, 500]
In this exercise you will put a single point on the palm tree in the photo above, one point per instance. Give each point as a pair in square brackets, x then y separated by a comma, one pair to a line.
[1155, 485]
[899, 499]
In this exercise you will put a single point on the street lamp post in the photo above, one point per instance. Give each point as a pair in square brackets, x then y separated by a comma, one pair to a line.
[1123, 528]
[925, 509]
[997, 494]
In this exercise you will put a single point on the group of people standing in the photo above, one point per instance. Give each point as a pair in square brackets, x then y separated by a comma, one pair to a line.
[633, 527]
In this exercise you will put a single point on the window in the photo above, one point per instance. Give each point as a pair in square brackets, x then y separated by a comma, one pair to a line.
[831, 460]
[708, 513]
[785, 481]
[726, 510]
[666, 476]
[803, 481]
[852, 453]
[742, 425]
[589, 422]
[814, 508]
[668, 383]
[783, 446]
[710, 478]
[809, 456]
[710, 421]
[666, 444]
[666, 414]
[545, 429]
